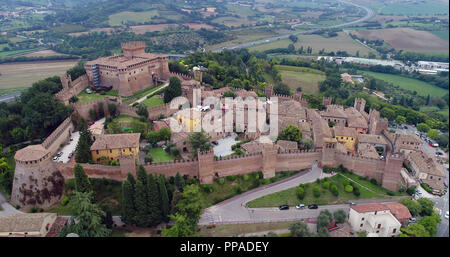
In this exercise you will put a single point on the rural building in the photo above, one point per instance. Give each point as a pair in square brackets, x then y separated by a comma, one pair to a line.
[112, 146]
[128, 72]
[428, 171]
[375, 219]
[345, 135]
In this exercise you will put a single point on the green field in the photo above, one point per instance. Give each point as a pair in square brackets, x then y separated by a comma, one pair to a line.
[153, 101]
[422, 88]
[414, 8]
[159, 155]
[136, 17]
[306, 78]
[141, 93]
[441, 33]
[290, 198]
[342, 42]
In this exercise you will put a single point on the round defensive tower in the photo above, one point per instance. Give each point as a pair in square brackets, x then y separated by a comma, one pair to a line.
[37, 182]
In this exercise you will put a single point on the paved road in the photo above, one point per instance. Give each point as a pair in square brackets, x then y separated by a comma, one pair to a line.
[9, 98]
[235, 210]
[7, 209]
[369, 14]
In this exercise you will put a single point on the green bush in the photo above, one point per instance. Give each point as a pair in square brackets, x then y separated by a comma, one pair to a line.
[346, 182]
[334, 190]
[356, 191]
[374, 181]
[340, 216]
[411, 190]
[300, 193]
[348, 189]
[426, 187]
[326, 185]
[64, 201]
[316, 191]
[33, 209]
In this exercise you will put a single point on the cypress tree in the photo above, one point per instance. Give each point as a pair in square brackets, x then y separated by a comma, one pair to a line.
[142, 175]
[82, 183]
[179, 182]
[164, 198]
[142, 217]
[128, 208]
[131, 179]
[154, 201]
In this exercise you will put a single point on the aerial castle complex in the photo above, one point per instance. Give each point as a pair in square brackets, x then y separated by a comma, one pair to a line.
[128, 72]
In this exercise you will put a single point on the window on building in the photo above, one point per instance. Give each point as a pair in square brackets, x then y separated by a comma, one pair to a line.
[378, 231]
[362, 219]
[379, 226]
[110, 150]
[395, 230]
[97, 151]
[361, 225]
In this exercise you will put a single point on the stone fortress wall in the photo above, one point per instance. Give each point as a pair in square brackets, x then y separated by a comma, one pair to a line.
[71, 88]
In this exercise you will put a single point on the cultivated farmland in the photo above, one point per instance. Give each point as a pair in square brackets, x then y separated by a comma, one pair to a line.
[406, 39]
[422, 88]
[16, 76]
[306, 78]
[139, 17]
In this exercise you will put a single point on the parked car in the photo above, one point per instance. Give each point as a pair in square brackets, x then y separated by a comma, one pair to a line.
[71, 139]
[446, 215]
[55, 158]
[412, 220]
[352, 203]
[313, 206]
[300, 206]
[405, 127]
[284, 207]
[59, 154]
[89, 91]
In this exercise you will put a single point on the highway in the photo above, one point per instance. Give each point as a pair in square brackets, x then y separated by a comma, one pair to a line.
[369, 14]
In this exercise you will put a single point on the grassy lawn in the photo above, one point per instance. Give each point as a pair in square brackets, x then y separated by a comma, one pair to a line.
[153, 101]
[159, 155]
[237, 229]
[422, 88]
[290, 198]
[227, 187]
[306, 78]
[85, 97]
[141, 93]
[272, 45]
[441, 33]
[138, 17]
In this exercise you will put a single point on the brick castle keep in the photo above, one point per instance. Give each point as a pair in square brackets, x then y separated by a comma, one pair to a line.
[128, 72]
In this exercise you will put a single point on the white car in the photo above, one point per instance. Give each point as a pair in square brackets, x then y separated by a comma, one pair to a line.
[55, 158]
[446, 215]
[300, 206]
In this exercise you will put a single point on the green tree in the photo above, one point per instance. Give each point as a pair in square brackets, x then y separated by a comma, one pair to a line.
[400, 119]
[153, 137]
[142, 217]
[415, 230]
[432, 133]
[173, 90]
[388, 113]
[154, 201]
[89, 218]
[164, 198]
[316, 191]
[83, 150]
[191, 205]
[413, 206]
[299, 229]
[199, 141]
[179, 182]
[324, 220]
[291, 133]
[430, 223]
[427, 205]
[423, 127]
[182, 227]
[340, 216]
[142, 110]
[307, 143]
[164, 134]
[128, 207]
[82, 182]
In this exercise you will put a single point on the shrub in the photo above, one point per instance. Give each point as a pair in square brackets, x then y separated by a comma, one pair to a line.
[348, 189]
[33, 209]
[340, 216]
[390, 193]
[64, 201]
[206, 188]
[346, 182]
[426, 187]
[300, 193]
[411, 190]
[374, 181]
[316, 191]
[356, 191]
[326, 185]
[334, 190]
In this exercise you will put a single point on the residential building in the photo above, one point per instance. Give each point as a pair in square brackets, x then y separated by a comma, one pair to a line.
[428, 171]
[190, 119]
[377, 141]
[110, 147]
[375, 219]
[345, 135]
[27, 224]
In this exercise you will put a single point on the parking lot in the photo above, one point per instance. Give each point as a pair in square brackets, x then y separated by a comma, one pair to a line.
[69, 148]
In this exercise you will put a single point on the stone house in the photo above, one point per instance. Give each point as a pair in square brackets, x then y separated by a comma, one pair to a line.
[428, 171]
[375, 219]
[27, 224]
[112, 146]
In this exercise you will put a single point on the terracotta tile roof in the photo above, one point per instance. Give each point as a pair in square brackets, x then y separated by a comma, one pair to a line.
[344, 131]
[371, 207]
[287, 145]
[304, 126]
[372, 139]
[59, 223]
[292, 108]
[434, 184]
[31, 153]
[178, 137]
[355, 118]
[334, 111]
[399, 210]
[426, 164]
[321, 130]
[24, 222]
[367, 150]
[116, 141]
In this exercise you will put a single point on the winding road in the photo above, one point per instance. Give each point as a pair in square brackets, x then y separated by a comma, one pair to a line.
[369, 14]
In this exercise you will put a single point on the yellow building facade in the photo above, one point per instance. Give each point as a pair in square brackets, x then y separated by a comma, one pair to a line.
[346, 136]
[111, 147]
[190, 119]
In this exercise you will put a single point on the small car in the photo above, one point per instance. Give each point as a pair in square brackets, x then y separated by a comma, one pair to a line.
[352, 203]
[300, 206]
[412, 220]
[59, 154]
[55, 158]
[313, 206]
[284, 207]
[446, 215]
